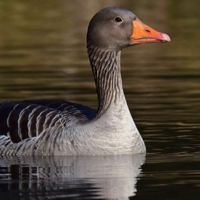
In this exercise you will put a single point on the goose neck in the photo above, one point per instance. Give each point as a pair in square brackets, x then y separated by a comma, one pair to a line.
[107, 75]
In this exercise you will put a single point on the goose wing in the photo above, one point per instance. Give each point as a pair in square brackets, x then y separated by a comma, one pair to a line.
[27, 119]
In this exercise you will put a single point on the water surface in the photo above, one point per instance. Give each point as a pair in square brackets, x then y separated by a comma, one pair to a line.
[43, 56]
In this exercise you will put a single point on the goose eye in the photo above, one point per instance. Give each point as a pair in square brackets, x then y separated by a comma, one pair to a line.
[118, 19]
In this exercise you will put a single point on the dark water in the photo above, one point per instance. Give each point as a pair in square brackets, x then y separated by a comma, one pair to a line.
[43, 56]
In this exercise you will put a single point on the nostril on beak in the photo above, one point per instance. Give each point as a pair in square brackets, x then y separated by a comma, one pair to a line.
[148, 31]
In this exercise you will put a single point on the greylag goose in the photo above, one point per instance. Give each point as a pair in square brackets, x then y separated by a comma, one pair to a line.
[53, 127]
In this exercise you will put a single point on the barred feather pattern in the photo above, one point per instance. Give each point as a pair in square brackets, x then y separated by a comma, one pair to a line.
[106, 71]
[23, 124]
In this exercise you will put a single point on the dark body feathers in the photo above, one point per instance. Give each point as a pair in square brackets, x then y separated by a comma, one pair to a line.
[27, 119]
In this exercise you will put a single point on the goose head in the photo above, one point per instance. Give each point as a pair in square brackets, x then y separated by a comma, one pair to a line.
[116, 28]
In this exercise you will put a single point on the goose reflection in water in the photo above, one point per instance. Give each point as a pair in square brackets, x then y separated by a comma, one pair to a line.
[110, 177]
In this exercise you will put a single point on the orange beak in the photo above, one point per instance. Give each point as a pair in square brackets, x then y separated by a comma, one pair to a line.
[144, 34]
